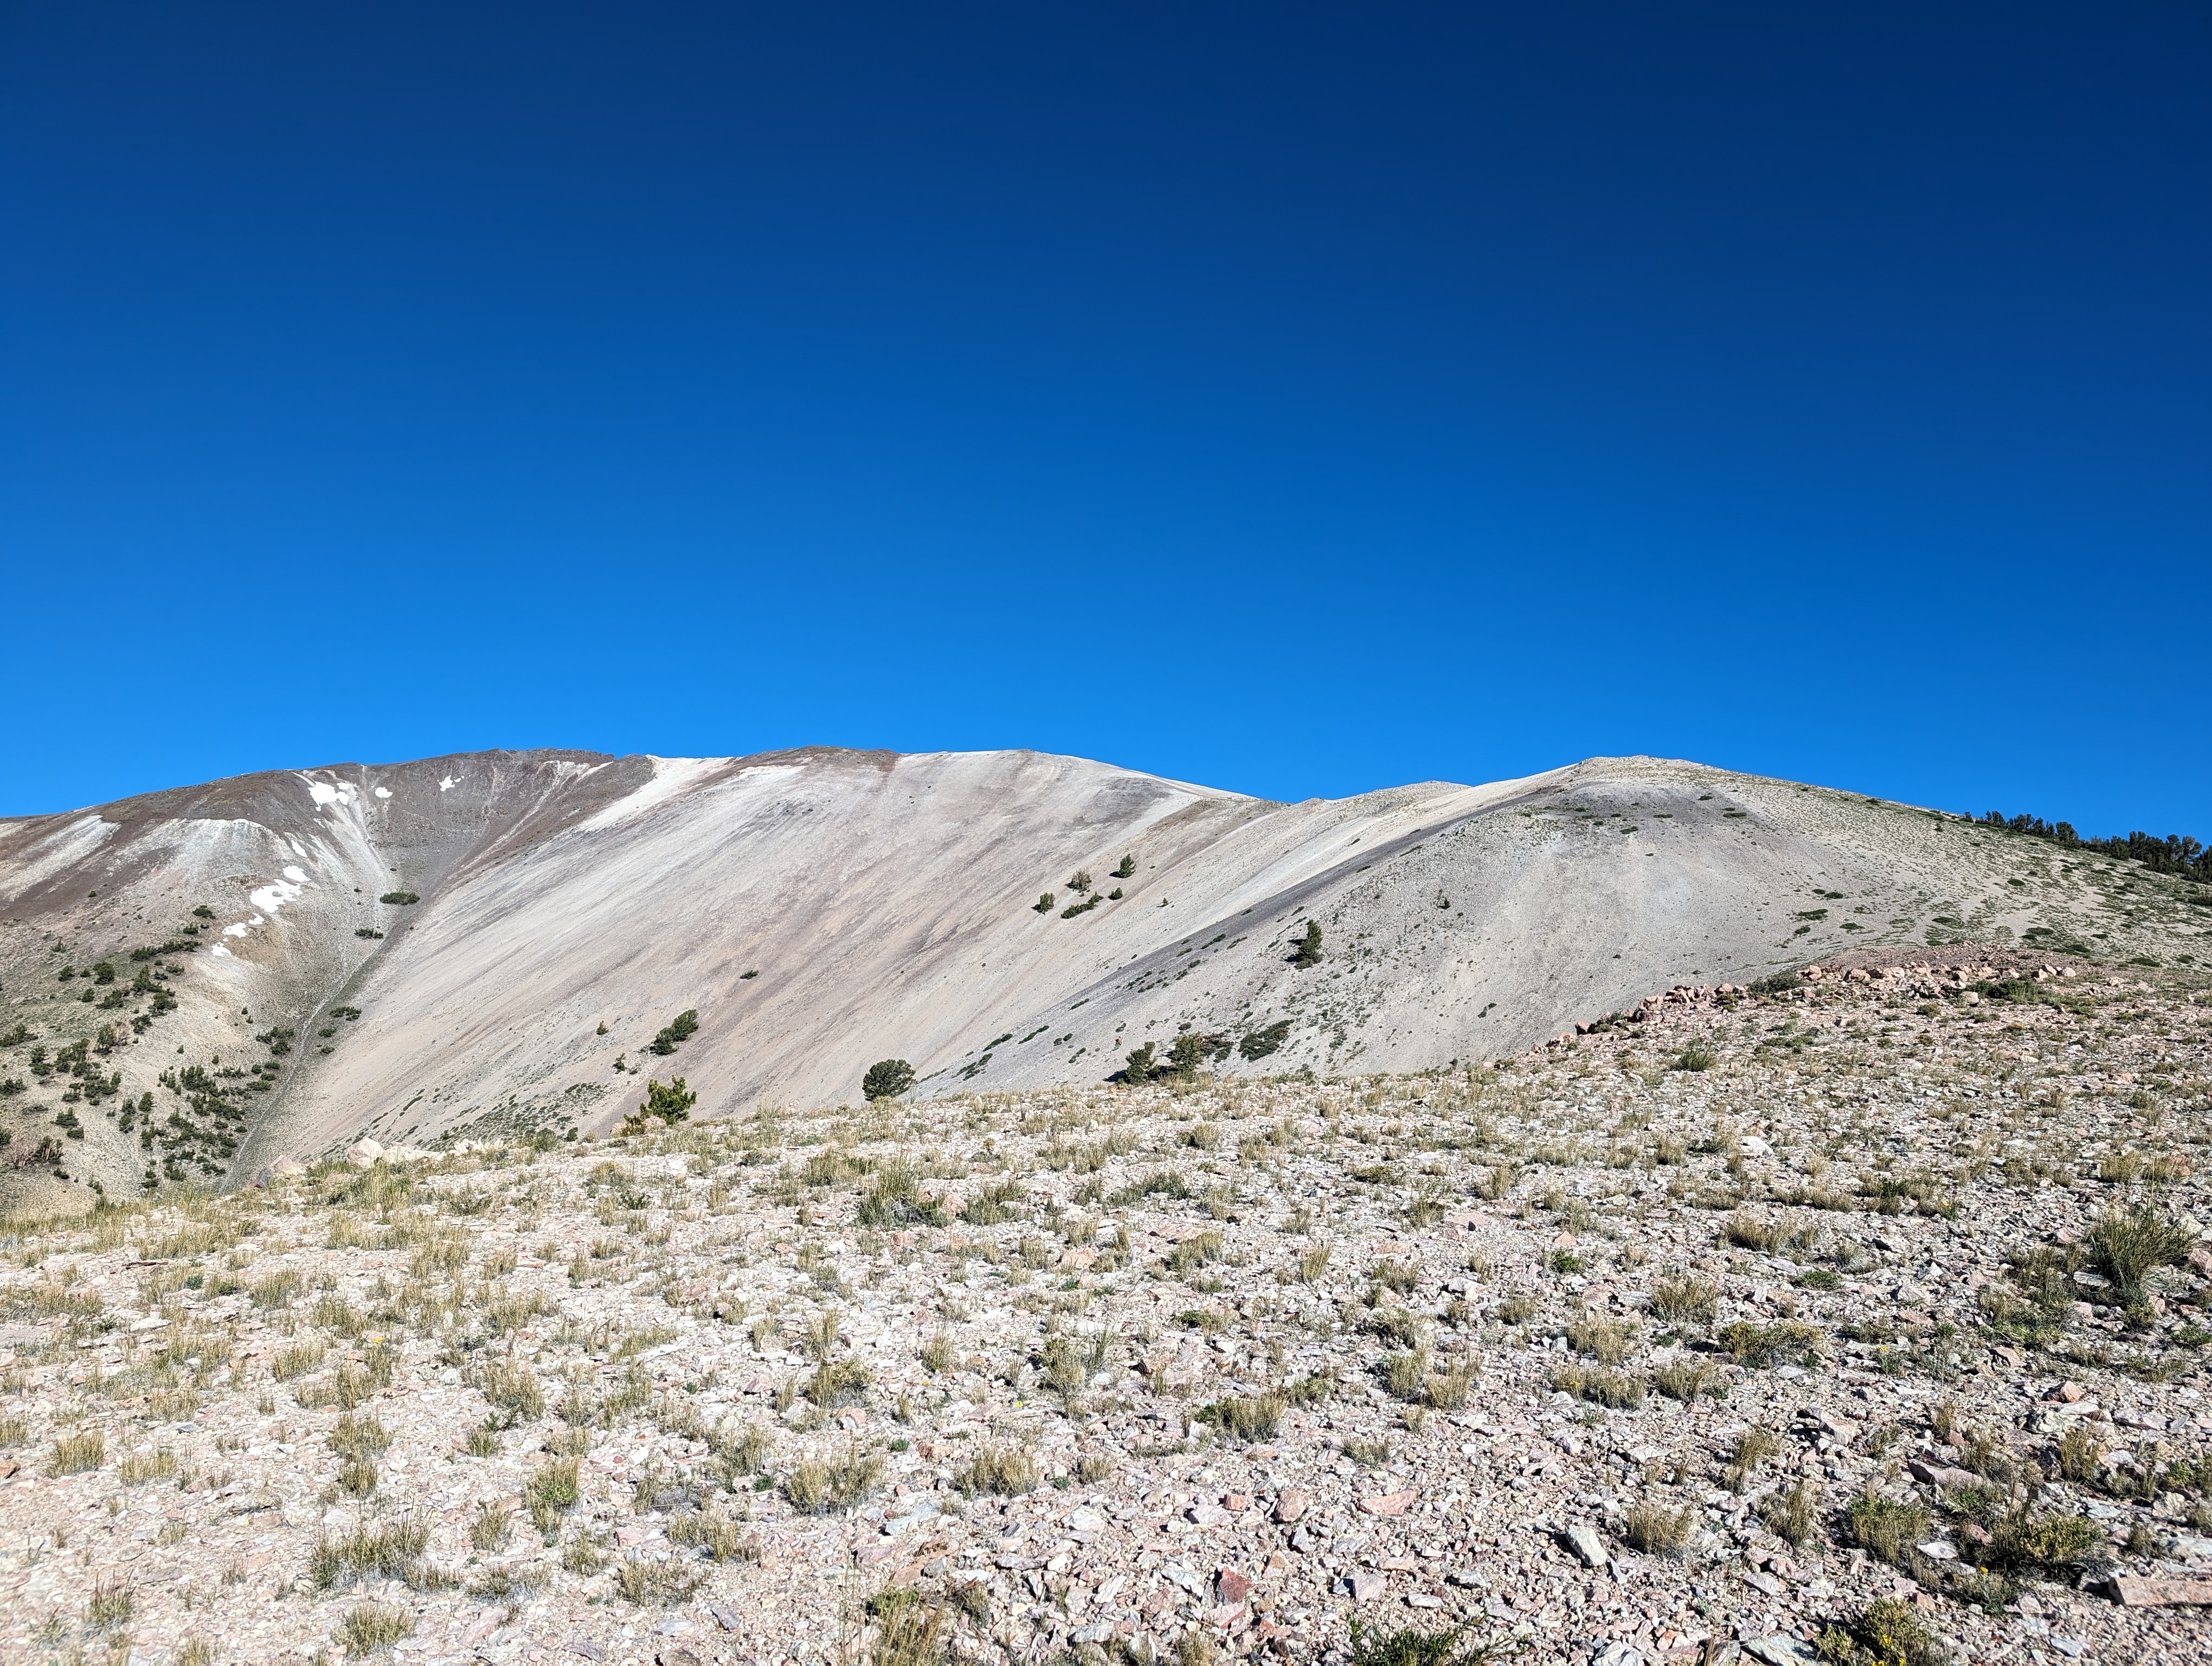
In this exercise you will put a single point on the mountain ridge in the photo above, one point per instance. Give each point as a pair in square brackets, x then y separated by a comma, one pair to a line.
[822, 908]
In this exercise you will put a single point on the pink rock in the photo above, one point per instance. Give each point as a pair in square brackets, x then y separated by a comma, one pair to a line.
[1230, 1587]
[1291, 1502]
[1937, 1475]
[2068, 1393]
[1390, 1504]
[1365, 1586]
[2139, 1591]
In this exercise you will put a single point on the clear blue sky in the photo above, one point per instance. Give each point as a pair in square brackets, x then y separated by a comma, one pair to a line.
[1298, 399]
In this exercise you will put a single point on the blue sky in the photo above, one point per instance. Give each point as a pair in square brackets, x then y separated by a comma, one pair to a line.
[1297, 399]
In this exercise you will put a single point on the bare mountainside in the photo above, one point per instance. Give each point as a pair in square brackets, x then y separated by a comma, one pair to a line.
[197, 981]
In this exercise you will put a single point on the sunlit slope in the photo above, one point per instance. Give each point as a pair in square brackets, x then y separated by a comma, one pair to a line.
[822, 909]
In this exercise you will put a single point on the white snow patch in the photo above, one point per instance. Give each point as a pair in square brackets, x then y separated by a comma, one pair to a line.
[445, 783]
[297, 876]
[273, 896]
[670, 776]
[298, 850]
[238, 930]
[323, 793]
[384, 792]
[223, 952]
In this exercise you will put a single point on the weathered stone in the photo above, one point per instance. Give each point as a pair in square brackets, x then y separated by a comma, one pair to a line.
[1584, 1540]
[2135, 1591]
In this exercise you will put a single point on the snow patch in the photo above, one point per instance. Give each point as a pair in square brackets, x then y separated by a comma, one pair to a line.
[273, 896]
[384, 792]
[222, 952]
[238, 930]
[670, 776]
[445, 783]
[295, 875]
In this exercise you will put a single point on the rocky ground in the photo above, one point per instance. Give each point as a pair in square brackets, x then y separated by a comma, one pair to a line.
[1862, 1316]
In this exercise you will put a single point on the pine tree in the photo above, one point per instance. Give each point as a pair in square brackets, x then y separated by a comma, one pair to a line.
[887, 1079]
[1309, 949]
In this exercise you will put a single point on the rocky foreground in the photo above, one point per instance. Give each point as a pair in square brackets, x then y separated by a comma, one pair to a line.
[1860, 1319]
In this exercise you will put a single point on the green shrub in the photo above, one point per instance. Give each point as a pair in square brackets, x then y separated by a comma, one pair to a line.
[671, 1103]
[1258, 1043]
[1409, 1647]
[1697, 1056]
[1887, 1528]
[1139, 1067]
[2024, 1539]
[400, 898]
[1888, 1633]
[2128, 1245]
[551, 1491]
[677, 1031]
[1308, 953]
[887, 1079]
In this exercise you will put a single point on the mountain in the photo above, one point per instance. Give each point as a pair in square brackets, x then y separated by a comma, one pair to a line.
[196, 958]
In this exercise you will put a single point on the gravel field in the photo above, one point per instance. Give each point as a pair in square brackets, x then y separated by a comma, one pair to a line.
[1862, 1318]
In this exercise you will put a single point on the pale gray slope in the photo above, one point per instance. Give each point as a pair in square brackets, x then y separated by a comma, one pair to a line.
[884, 902]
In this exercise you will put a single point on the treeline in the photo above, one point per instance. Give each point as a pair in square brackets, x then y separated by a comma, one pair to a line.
[2174, 854]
